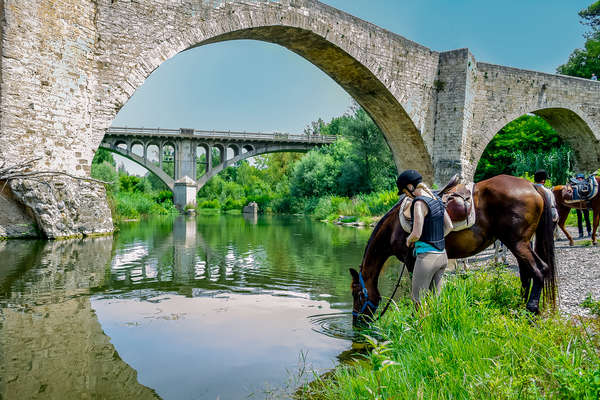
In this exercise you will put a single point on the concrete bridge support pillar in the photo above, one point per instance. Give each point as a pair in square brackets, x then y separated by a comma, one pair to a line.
[184, 193]
[185, 160]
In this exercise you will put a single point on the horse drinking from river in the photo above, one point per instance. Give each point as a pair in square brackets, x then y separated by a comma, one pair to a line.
[507, 208]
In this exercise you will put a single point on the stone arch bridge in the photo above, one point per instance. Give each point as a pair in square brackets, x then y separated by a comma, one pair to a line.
[185, 145]
[68, 66]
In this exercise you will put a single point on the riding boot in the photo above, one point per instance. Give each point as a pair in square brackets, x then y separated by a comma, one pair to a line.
[533, 305]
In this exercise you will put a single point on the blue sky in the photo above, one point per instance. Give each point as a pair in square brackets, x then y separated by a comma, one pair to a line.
[256, 86]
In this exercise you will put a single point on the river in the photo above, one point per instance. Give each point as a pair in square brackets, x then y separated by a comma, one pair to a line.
[177, 308]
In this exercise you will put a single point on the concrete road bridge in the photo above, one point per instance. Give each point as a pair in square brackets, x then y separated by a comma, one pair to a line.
[68, 66]
[187, 148]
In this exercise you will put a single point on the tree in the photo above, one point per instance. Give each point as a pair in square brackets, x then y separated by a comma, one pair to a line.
[585, 62]
[528, 134]
[103, 155]
[591, 16]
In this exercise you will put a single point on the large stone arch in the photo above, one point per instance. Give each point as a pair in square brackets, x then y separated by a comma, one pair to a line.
[345, 48]
[570, 122]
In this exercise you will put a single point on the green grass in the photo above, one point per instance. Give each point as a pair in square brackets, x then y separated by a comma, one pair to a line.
[592, 305]
[473, 341]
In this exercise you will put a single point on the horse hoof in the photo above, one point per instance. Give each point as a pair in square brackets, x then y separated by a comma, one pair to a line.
[571, 243]
[533, 308]
[595, 243]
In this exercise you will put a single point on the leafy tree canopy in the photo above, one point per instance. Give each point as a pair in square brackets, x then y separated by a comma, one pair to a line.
[528, 134]
[591, 16]
[585, 62]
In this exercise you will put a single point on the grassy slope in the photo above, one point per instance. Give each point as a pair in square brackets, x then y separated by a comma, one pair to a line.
[473, 341]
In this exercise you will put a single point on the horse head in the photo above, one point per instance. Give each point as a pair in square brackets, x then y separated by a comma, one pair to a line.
[567, 192]
[364, 303]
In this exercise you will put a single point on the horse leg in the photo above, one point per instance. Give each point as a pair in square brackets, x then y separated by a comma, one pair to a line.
[525, 276]
[528, 272]
[563, 213]
[596, 221]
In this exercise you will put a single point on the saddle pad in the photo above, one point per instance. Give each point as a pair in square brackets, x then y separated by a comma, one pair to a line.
[585, 190]
[405, 220]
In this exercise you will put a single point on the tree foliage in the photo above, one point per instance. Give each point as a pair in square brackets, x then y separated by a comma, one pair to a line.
[102, 155]
[360, 161]
[585, 62]
[591, 16]
[529, 135]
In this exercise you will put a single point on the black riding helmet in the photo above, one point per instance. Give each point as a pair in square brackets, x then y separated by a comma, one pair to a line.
[540, 175]
[410, 176]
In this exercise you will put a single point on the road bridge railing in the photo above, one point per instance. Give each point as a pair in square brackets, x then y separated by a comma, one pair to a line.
[221, 135]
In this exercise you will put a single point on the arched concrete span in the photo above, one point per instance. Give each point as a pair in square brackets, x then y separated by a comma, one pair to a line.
[185, 144]
[162, 175]
[256, 151]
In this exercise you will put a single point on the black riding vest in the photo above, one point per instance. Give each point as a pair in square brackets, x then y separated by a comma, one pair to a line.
[433, 226]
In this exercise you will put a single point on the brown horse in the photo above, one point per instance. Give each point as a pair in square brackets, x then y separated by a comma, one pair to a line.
[562, 193]
[507, 208]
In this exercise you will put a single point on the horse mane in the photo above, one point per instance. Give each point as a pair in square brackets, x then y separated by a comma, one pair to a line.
[379, 224]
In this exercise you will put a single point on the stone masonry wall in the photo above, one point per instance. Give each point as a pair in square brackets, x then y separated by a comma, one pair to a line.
[571, 105]
[47, 90]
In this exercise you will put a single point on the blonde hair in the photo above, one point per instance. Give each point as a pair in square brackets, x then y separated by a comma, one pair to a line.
[421, 186]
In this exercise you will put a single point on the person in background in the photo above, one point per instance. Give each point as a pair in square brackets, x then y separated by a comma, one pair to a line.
[431, 223]
[540, 178]
[586, 215]
[594, 77]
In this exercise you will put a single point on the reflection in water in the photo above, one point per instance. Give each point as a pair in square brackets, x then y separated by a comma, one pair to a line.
[51, 344]
[200, 308]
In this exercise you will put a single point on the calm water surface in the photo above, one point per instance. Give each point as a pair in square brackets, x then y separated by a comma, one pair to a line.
[174, 308]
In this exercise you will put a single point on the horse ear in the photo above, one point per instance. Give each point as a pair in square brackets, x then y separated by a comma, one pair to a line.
[354, 274]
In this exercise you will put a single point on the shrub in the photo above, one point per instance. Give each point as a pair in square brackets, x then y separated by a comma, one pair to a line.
[209, 204]
[163, 196]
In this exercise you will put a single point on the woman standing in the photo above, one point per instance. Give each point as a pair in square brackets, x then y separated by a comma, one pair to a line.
[431, 223]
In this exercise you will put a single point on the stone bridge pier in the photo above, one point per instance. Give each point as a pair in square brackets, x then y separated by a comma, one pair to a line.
[68, 66]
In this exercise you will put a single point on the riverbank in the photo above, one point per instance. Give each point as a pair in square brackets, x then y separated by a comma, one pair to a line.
[475, 340]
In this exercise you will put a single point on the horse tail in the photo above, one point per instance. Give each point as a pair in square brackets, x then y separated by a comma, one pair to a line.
[544, 248]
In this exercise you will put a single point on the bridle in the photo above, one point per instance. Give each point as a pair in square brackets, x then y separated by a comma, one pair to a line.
[364, 292]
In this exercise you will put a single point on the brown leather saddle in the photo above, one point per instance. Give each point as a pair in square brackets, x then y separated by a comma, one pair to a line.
[458, 199]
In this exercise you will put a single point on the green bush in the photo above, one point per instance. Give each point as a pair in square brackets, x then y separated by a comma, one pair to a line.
[209, 204]
[134, 205]
[323, 208]
[163, 196]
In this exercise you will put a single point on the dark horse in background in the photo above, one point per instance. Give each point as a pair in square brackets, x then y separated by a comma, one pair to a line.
[563, 195]
[507, 208]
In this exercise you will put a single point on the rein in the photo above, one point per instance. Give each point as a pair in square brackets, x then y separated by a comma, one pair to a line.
[364, 292]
